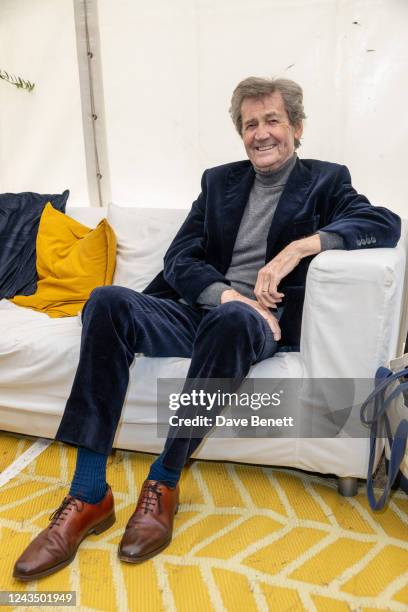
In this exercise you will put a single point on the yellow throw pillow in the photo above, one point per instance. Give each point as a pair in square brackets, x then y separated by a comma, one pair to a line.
[72, 259]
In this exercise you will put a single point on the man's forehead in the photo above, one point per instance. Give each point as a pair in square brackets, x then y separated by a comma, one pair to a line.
[269, 104]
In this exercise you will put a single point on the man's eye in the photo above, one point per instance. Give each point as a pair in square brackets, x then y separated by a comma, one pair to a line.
[273, 121]
[250, 125]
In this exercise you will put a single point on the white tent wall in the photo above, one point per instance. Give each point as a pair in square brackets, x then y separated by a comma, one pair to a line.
[167, 73]
[169, 69]
[41, 133]
[150, 68]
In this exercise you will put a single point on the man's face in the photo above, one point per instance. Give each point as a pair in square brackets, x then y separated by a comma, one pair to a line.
[269, 138]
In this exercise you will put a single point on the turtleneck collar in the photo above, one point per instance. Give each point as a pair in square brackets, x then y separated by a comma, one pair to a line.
[276, 177]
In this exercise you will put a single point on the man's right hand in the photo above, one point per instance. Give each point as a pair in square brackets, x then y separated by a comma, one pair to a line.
[230, 295]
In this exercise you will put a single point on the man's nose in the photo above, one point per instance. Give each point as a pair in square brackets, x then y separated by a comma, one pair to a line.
[261, 132]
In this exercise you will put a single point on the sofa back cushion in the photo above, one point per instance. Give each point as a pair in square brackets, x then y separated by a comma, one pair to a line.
[143, 236]
[72, 259]
[19, 219]
[87, 215]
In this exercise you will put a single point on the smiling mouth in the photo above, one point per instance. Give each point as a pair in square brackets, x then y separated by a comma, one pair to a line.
[266, 147]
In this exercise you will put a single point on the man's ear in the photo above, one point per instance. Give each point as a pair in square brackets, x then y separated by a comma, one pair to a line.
[299, 131]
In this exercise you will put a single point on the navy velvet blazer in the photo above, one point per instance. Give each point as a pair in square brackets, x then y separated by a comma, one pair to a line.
[318, 195]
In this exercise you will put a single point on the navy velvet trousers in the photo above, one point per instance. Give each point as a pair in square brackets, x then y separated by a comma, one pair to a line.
[223, 342]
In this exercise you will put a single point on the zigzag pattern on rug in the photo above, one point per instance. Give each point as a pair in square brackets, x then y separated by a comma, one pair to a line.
[246, 538]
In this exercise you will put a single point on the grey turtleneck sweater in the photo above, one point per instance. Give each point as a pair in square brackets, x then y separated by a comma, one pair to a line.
[250, 245]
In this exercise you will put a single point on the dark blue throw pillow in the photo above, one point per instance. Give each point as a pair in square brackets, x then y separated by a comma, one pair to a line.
[20, 215]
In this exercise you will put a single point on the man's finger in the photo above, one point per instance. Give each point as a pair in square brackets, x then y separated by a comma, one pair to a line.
[267, 299]
[269, 302]
[276, 295]
[274, 325]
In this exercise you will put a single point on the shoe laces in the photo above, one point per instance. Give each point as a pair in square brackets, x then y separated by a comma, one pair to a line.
[62, 511]
[151, 495]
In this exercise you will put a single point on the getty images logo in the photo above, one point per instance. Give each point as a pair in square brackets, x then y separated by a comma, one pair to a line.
[206, 400]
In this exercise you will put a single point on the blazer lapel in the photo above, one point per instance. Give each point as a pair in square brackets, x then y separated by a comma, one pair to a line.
[237, 188]
[291, 201]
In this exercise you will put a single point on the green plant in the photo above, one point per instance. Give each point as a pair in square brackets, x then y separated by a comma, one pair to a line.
[17, 81]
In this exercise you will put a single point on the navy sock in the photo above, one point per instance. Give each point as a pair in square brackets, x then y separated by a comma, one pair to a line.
[89, 482]
[168, 476]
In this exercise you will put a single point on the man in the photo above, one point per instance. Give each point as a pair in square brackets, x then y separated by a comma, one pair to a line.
[231, 291]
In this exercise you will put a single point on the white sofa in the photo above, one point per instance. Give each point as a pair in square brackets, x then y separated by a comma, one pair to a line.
[351, 324]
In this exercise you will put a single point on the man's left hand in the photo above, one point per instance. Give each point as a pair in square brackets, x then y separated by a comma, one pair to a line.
[269, 277]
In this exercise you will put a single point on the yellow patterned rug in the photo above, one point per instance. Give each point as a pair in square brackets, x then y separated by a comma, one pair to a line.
[246, 538]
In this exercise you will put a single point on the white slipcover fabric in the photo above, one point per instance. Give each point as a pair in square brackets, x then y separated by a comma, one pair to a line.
[142, 237]
[350, 326]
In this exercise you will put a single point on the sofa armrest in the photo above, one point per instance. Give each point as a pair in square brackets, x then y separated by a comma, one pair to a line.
[352, 311]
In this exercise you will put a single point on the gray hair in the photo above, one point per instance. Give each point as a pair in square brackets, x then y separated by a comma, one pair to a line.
[255, 87]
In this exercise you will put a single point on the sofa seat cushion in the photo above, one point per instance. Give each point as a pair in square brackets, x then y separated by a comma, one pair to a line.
[39, 357]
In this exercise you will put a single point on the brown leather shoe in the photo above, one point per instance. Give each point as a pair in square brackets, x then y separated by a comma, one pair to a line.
[150, 527]
[56, 546]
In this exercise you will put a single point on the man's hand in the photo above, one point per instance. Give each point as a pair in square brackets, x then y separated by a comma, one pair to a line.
[230, 295]
[269, 277]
